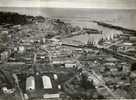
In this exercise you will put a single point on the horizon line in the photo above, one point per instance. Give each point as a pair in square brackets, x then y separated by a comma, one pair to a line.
[100, 8]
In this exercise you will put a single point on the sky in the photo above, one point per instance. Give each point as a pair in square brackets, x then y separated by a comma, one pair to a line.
[111, 4]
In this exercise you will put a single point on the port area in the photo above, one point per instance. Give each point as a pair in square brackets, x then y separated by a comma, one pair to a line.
[50, 59]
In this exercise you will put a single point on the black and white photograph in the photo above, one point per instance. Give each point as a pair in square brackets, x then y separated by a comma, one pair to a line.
[67, 49]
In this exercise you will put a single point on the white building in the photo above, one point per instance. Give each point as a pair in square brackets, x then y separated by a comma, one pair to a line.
[30, 83]
[55, 76]
[46, 82]
[21, 49]
[70, 65]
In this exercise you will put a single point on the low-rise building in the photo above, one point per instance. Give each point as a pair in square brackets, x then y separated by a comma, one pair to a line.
[30, 83]
[70, 65]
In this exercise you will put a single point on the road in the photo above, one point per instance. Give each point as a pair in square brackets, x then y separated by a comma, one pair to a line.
[18, 87]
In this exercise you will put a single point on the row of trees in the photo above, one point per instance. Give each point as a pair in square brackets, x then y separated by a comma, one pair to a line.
[13, 18]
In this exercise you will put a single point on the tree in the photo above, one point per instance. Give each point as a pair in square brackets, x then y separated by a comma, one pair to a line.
[85, 83]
